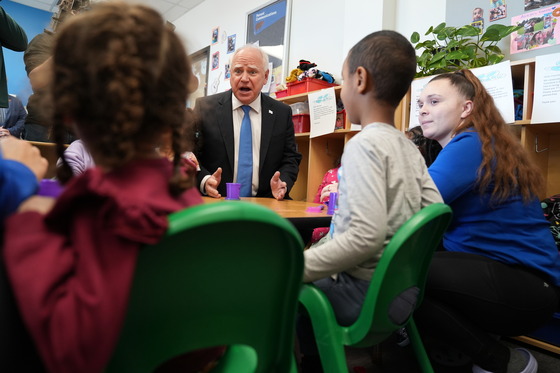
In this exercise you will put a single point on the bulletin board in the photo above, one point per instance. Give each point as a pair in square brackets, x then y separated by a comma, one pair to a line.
[460, 12]
[268, 27]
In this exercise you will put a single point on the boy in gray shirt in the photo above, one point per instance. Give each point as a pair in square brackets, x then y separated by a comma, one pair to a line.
[383, 179]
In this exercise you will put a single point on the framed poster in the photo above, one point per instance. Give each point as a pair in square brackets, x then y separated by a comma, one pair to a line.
[268, 27]
[199, 64]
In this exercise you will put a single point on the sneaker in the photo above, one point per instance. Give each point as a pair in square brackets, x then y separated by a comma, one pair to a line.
[402, 337]
[531, 367]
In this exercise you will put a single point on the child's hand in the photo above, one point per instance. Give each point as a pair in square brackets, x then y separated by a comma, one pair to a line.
[327, 190]
[39, 204]
[24, 152]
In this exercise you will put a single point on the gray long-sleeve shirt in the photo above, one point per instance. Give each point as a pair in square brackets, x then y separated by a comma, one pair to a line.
[383, 181]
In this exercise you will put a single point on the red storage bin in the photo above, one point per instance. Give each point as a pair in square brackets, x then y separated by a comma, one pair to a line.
[308, 85]
[340, 120]
[301, 123]
[282, 93]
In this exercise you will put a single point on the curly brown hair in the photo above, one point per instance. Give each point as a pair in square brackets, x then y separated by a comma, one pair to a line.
[506, 166]
[121, 79]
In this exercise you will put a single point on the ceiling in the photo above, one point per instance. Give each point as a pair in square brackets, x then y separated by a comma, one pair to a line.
[171, 9]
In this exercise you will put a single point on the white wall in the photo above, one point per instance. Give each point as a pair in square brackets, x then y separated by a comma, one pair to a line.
[322, 31]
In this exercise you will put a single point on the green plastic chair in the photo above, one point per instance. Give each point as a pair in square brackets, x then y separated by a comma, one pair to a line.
[402, 270]
[226, 273]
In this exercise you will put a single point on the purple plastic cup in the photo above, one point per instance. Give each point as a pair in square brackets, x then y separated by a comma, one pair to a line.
[49, 188]
[333, 197]
[232, 190]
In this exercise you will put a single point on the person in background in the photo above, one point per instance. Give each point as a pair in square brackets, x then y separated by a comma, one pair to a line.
[12, 118]
[383, 181]
[500, 269]
[38, 65]
[428, 148]
[81, 248]
[13, 37]
[275, 160]
[328, 185]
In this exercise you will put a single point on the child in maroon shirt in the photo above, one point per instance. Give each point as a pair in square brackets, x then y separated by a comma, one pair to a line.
[120, 80]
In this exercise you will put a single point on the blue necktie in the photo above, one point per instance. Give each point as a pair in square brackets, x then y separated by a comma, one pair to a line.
[245, 157]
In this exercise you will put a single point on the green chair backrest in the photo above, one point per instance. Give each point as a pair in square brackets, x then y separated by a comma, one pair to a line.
[403, 265]
[226, 273]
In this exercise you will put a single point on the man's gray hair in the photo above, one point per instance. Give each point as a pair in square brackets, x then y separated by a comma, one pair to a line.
[255, 47]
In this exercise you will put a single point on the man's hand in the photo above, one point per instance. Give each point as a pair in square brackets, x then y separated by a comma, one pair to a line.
[211, 185]
[278, 186]
[25, 153]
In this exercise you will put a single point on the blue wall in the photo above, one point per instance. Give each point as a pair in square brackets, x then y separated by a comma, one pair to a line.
[33, 21]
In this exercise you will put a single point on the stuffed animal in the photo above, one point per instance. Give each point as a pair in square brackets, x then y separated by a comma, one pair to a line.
[294, 75]
[318, 74]
[305, 65]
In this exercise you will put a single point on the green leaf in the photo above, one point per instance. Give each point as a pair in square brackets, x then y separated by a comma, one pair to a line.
[491, 34]
[439, 27]
[495, 58]
[456, 55]
[415, 37]
[493, 49]
[429, 30]
[468, 31]
[439, 56]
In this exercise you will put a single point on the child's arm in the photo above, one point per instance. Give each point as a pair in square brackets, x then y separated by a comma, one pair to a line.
[362, 204]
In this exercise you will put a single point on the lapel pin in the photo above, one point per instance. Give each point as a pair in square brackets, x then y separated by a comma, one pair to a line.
[270, 112]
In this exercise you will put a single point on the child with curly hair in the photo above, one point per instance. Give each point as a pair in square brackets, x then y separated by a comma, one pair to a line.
[120, 80]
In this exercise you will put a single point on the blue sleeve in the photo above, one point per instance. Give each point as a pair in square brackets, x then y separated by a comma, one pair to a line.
[455, 169]
[17, 183]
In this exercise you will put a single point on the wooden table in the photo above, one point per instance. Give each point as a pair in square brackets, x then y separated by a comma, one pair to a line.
[295, 211]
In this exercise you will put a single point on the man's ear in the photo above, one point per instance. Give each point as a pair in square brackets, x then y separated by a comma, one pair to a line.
[361, 76]
[467, 109]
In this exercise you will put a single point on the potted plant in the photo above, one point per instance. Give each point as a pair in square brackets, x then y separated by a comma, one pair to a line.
[455, 48]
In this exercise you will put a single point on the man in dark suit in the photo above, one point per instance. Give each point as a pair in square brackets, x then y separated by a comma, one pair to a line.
[12, 118]
[275, 158]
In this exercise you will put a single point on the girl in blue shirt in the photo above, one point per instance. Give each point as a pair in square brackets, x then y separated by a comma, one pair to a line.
[500, 270]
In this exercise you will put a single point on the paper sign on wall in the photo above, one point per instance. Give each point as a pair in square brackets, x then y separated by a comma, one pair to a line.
[547, 89]
[322, 112]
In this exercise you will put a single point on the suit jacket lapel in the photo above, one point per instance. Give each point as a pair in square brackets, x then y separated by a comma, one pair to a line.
[225, 123]
[267, 124]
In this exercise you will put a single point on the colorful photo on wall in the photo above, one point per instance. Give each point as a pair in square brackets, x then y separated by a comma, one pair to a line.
[215, 35]
[498, 12]
[215, 60]
[479, 25]
[231, 43]
[535, 4]
[539, 30]
[227, 71]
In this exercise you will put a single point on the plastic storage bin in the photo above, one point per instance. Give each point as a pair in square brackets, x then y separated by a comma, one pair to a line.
[301, 123]
[300, 108]
[282, 93]
[308, 85]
